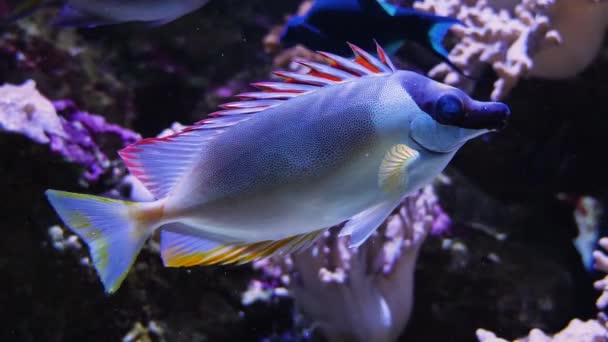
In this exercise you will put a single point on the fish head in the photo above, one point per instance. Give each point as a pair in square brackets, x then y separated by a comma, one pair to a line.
[448, 117]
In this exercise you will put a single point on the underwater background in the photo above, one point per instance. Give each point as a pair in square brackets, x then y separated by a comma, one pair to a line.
[501, 243]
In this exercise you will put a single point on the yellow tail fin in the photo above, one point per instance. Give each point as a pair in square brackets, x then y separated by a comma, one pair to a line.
[114, 235]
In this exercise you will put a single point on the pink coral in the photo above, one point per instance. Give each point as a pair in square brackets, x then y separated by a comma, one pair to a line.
[365, 293]
[601, 263]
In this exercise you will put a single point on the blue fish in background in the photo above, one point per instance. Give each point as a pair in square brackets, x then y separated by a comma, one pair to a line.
[330, 23]
[92, 13]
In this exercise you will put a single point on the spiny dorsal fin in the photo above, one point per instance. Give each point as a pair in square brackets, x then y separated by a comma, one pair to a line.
[384, 57]
[159, 163]
[337, 70]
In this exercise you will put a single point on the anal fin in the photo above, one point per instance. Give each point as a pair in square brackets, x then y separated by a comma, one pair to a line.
[180, 248]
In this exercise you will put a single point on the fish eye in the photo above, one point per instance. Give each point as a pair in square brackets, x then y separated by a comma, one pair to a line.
[449, 109]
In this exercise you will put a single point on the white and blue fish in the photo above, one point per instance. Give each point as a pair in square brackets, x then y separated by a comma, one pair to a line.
[268, 174]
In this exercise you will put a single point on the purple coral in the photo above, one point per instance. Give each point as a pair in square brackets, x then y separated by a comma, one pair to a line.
[85, 132]
[365, 293]
[78, 136]
[601, 263]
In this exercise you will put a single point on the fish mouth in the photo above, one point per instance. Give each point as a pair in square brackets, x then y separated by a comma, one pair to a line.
[487, 115]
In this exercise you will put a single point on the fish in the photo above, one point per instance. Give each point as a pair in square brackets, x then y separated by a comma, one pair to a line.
[93, 13]
[267, 175]
[328, 24]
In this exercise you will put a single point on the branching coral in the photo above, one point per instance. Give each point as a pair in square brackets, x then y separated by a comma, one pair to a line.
[76, 135]
[24, 110]
[544, 38]
[145, 333]
[64, 65]
[363, 294]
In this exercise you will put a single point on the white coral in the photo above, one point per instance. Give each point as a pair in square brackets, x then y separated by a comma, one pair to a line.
[543, 38]
[365, 293]
[24, 110]
[601, 263]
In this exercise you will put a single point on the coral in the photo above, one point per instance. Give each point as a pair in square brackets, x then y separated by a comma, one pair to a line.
[60, 242]
[78, 136]
[577, 330]
[593, 330]
[130, 188]
[601, 263]
[87, 133]
[64, 66]
[365, 293]
[286, 57]
[24, 110]
[519, 39]
[178, 72]
[260, 291]
[548, 38]
[272, 42]
[144, 333]
[588, 212]
[581, 25]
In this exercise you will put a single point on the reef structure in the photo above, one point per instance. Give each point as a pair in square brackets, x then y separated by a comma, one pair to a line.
[592, 330]
[78, 136]
[357, 294]
[550, 39]
[518, 39]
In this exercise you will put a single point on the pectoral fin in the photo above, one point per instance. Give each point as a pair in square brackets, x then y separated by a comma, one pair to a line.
[392, 173]
[362, 225]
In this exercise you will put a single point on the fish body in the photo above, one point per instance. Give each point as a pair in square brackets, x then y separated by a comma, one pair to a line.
[92, 13]
[269, 174]
[328, 24]
[287, 159]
